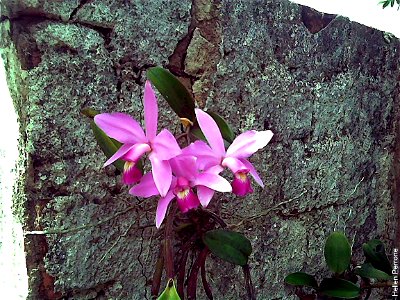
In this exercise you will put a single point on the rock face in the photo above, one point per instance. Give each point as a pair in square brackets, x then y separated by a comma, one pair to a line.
[330, 94]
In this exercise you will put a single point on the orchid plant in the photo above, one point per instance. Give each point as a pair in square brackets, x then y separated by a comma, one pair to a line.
[190, 175]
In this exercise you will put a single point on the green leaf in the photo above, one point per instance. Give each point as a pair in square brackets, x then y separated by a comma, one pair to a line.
[375, 253]
[107, 145]
[226, 130]
[173, 91]
[196, 131]
[89, 112]
[105, 142]
[337, 252]
[384, 3]
[228, 245]
[300, 278]
[170, 292]
[339, 288]
[368, 271]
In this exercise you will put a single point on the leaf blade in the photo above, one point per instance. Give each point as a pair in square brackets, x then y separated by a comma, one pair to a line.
[339, 288]
[107, 145]
[170, 292]
[228, 245]
[375, 253]
[224, 127]
[368, 271]
[337, 252]
[301, 279]
[173, 91]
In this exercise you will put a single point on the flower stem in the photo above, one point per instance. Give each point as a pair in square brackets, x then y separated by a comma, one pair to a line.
[168, 248]
[155, 288]
[206, 286]
[192, 281]
[249, 285]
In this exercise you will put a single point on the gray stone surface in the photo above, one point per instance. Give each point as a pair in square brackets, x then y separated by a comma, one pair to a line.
[331, 98]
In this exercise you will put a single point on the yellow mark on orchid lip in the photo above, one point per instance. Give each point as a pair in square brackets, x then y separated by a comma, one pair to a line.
[186, 122]
[128, 165]
[242, 176]
[182, 194]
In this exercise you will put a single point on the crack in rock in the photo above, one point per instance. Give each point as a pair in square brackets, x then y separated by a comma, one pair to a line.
[82, 3]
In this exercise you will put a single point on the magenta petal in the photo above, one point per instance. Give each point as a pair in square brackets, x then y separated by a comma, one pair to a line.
[234, 164]
[253, 172]
[165, 146]
[242, 140]
[211, 131]
[214, 170]
[206, 157]
[198, 148]
[213, 181]
[121, 127]
[150, 111]
[162, 207]
[136, 152]
[187, 200]
[146, 187]
[248, 143]
[119, 154]
[162, 174]
[184, 166]
[131, 174]
[205, 195]
[241, 184]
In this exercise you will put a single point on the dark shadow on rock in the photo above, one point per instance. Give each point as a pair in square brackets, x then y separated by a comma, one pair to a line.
[314, 20]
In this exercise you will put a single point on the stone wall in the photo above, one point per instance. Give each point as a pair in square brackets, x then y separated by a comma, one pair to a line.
[327, 87]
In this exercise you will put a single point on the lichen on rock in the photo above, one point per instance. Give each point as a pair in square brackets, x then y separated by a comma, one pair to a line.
[330, 97]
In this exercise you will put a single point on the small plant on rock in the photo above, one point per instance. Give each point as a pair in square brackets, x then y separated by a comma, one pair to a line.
[348, 281]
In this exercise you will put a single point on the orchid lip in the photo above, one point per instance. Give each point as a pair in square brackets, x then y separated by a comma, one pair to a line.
[131, 173]
[186, 199]
[241, 185]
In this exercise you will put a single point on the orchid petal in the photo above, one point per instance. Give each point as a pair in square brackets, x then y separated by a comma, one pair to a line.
[198, 148]
[248, 143]
[150, 111]
[187, 200]
[211, 131]
[165, 146]
[162, 174]
[120, 153]
[213, 181]
[121, 127]
[206, 157]
[234, 164]
[136, 152]
[184, 166]
[214, 170]
[253, 172]
[162, 207]
[131, 173]
[145, 188]
[241, 185]
[205, 195]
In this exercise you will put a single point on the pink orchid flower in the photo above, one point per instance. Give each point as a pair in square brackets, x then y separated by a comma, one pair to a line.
[160, 148]
[234, 158]
[186, 178]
